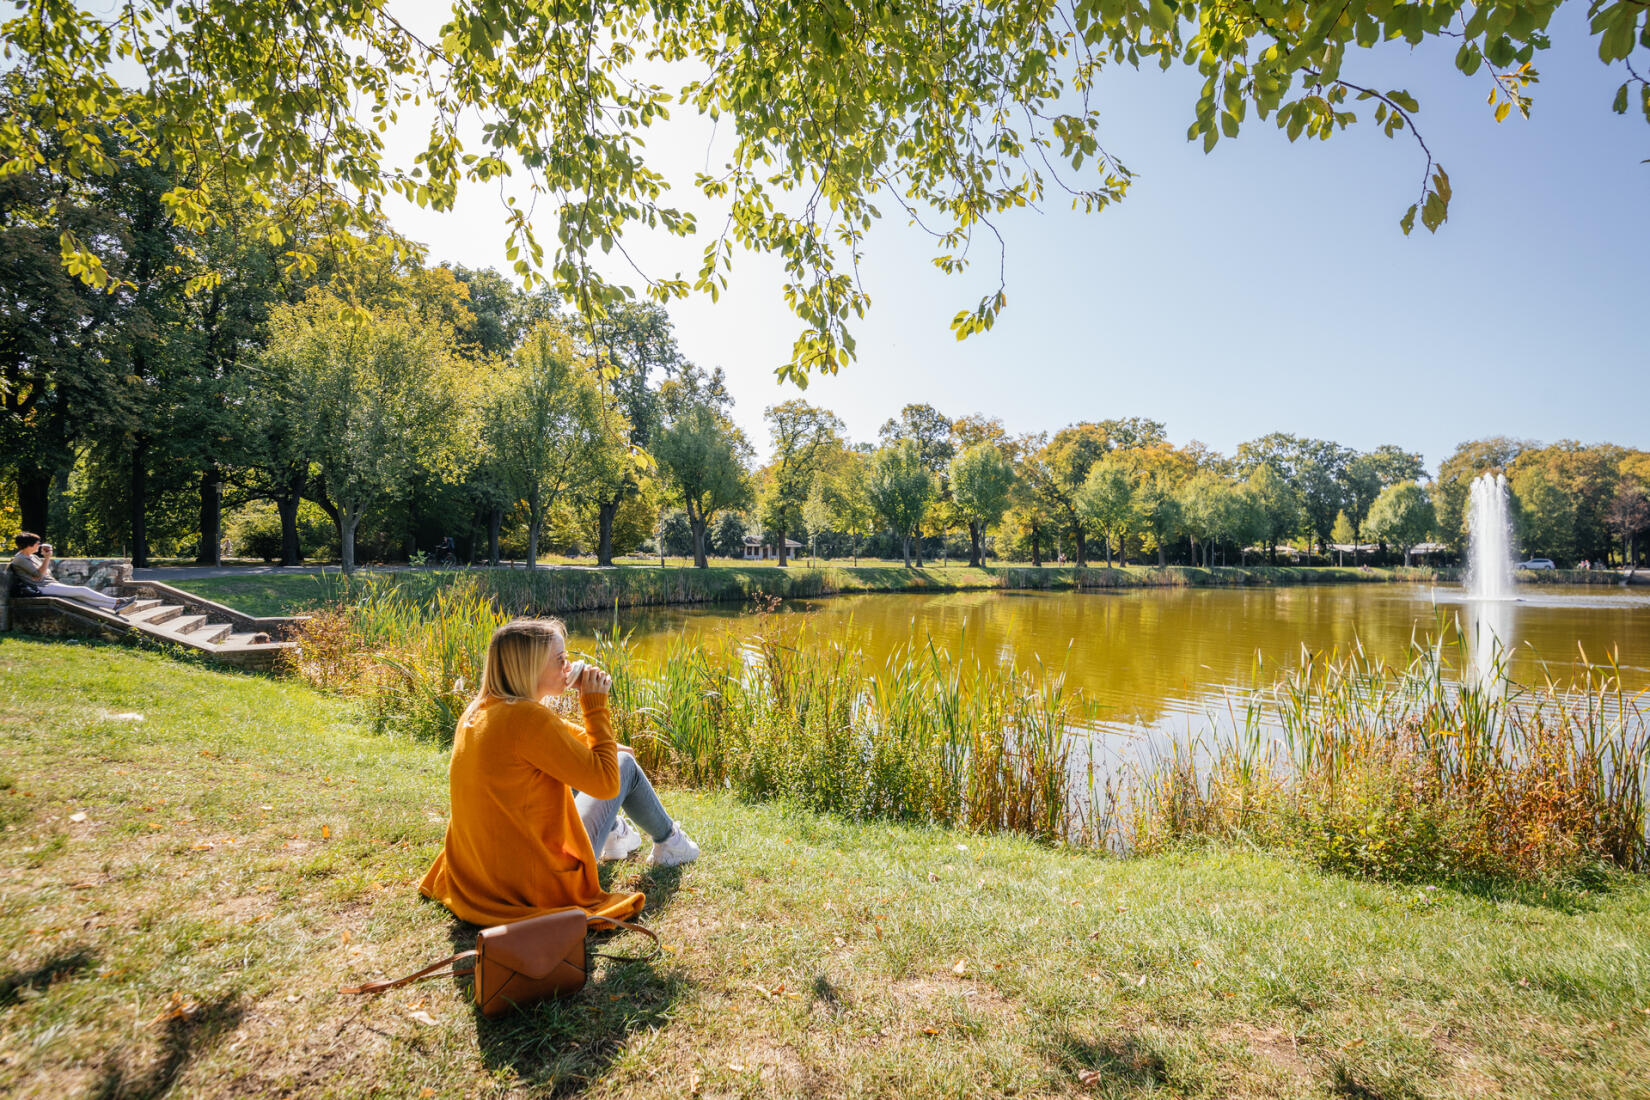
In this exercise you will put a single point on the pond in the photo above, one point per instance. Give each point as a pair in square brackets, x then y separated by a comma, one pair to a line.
[1166, 660]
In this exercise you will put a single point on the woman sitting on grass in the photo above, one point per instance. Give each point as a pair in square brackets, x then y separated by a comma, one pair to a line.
[534, 797]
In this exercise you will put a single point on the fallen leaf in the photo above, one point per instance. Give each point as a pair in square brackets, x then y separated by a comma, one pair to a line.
[326, 832]
[932, 877]
[422, 1017]
[930, 1031]
[84, 886]
[1094, 935]
[839, 941]
[961, 967]
[425, 1093]
[1088, 1076]
[77, 818]
[1197, 963]
[202, 846]
[736, 1067]
[345, 937]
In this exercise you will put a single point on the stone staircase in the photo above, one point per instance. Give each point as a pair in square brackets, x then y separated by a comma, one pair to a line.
[166, 614]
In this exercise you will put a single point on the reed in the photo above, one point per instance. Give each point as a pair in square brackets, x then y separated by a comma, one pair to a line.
[1409, 773]
[783, 714]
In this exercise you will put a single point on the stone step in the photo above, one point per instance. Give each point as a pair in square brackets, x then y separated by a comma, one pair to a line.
[211, 633]
[156, 614]
[184, 624]
[138, 607]
[239, 642]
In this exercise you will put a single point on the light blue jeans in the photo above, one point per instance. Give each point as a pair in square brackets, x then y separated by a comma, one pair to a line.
[635, 797]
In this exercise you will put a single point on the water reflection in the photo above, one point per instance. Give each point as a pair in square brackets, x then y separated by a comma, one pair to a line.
[1166, 660]
[1488, 625]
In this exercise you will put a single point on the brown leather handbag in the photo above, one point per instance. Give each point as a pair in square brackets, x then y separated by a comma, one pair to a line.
[530, 960]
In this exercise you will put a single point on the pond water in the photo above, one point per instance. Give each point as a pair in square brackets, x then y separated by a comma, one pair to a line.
[1168, 659]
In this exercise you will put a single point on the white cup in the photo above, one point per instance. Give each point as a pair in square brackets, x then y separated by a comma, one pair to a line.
[575, 671]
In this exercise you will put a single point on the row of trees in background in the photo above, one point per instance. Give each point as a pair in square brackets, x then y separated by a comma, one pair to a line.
[395, 403]
[1117, 489]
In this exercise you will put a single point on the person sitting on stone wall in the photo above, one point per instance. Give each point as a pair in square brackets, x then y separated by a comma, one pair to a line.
[31, 575]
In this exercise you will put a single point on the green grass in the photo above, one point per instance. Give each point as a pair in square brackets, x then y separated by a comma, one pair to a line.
[808, 956]
[563, 591]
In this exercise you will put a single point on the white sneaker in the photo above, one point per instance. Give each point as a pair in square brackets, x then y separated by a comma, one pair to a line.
[621, 840]
[675, 849]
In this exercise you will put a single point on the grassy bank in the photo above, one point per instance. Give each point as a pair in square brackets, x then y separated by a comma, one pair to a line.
[246, 847]
[567, 590]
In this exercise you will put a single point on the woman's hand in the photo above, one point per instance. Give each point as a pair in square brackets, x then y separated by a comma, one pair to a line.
[595, 680]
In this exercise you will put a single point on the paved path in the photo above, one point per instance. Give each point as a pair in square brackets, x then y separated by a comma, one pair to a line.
[166, 573]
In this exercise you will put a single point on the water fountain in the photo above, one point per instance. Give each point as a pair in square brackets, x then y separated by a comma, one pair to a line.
[1489, 560]
[1489, 576]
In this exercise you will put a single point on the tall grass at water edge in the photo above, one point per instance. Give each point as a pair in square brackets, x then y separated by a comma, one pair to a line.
[1364, 767]
[925, 736]
[1406, 772]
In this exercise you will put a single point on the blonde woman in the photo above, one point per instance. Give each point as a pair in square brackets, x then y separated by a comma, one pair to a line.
[534, 797]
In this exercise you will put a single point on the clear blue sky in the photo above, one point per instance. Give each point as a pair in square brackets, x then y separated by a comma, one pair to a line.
[1263, 287]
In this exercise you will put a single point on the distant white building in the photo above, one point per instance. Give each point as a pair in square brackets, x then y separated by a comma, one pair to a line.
[757, 550]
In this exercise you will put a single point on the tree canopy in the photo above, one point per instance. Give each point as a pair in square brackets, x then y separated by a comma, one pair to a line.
[950, 113]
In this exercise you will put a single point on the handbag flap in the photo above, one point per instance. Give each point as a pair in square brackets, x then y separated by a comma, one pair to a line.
[536, 946]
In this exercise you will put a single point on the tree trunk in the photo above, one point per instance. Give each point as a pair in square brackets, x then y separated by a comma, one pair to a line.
[138, 502]
[1161, 560]
[700, 559]
[34, 494]
[349, 520]
[605, 515]
[495, 520]
[1271, 553]
[919, 552]
[1108, 553]
[1036, 548]
[906, 544]
[211, 552]
[974, 558]
[779, 550]
[535, 520]
[1083, 549]
[286, 506]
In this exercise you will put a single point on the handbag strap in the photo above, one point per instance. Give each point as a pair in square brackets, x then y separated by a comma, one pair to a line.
[428, 972]
[434, 970]
[615, 922]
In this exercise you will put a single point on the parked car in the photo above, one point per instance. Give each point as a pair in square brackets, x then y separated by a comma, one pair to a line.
[1537, 563]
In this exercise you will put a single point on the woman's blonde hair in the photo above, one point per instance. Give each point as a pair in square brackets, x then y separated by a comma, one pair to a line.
[516, 655]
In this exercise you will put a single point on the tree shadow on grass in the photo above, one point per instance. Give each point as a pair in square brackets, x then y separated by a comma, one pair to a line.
[65, 964]
[1121, 1061]
[188, 1032]
[557, 1048]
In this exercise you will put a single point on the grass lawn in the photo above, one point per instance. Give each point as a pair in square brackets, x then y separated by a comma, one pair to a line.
[245, 848]
[636, 583]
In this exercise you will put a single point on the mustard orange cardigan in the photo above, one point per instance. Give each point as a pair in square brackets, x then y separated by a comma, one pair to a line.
[515, 845]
